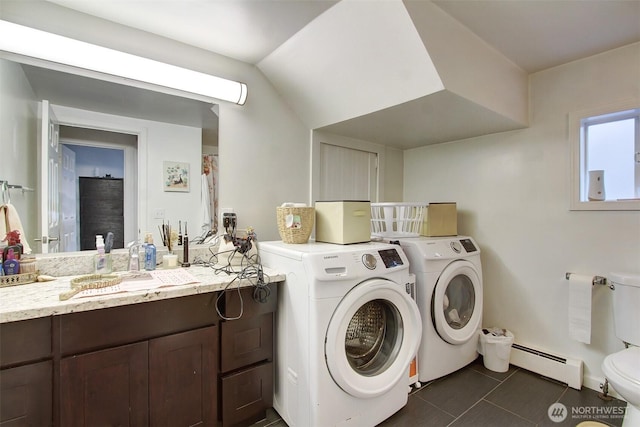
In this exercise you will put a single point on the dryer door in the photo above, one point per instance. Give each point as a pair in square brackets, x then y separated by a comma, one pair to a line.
[372, 337]
[456, 306]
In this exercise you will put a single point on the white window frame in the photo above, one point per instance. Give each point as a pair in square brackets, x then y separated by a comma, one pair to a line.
[575, 142]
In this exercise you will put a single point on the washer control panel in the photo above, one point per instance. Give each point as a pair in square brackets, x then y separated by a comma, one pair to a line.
[369, 261]
[390, 257]
[334, 262]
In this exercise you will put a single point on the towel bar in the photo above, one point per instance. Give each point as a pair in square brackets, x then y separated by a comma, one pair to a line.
[597, 280]
[18, 187]
[6, 197]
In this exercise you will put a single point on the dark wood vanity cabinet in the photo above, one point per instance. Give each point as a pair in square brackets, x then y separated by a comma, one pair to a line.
[167, 381]
[152, 363]
[246, 357]
[26, 373]
[163, 363]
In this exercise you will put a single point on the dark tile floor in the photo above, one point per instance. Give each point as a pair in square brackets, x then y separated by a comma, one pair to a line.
[475, 396]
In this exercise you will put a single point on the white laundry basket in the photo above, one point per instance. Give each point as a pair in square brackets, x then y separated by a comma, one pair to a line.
[495, 347]
[393, 220]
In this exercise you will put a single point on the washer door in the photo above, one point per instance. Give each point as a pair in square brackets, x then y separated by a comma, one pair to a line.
[456, 306]
[372, 337]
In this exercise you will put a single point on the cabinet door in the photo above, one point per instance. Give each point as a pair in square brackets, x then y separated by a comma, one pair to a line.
[105, 388]
[26, 395]
[183, 378]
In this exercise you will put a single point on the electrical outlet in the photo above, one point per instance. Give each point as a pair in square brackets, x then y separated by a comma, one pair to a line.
[229, 220]
[222, 212]
[158, 213]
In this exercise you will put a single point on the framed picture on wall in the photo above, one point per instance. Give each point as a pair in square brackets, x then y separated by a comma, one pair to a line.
[176, 176]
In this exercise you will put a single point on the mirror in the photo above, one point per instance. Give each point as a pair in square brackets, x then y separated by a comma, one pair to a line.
[90, 97]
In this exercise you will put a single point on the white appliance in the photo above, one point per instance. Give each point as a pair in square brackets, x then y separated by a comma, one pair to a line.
[347, 330]
[622, 369]
[449, 295]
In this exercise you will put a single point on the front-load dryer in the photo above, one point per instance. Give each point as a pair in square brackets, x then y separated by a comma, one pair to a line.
[449, 295]
[347, 330]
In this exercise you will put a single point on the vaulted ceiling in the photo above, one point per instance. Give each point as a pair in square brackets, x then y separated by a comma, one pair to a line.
[518, 37]
[534, 34]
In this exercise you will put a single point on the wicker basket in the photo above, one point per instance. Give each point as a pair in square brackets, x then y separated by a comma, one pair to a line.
[18, 279]
[295, 224]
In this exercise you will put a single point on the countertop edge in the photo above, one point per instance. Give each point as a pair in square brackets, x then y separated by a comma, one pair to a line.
[41, 299]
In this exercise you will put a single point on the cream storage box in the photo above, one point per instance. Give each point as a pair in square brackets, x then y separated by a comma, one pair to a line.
[440, 219]
[343, 222]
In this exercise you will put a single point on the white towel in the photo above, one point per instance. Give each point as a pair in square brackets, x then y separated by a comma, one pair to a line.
[10, 221]
[580, 294]
[205, 211]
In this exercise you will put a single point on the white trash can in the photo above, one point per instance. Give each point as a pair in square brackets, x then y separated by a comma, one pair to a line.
[495, 347]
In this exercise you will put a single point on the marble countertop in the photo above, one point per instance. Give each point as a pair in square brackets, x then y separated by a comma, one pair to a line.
[41, 299]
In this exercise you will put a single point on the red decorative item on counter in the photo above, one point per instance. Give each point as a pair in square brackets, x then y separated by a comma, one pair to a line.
[13, 237]
[13, 240]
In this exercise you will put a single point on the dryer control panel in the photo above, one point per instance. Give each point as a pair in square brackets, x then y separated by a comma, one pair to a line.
[437, 248]
[468, 245]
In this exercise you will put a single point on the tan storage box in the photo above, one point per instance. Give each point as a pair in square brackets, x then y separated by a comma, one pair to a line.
[343, 222]
[440, 219]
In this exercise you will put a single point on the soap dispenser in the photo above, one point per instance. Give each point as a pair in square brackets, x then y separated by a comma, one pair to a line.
[102, 262]
[149, 253]
[134, 257]
[11, 265]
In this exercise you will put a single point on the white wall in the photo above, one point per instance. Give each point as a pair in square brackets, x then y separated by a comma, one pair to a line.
[346, 51]
[512, 191]
[468, 66]
[18, 124]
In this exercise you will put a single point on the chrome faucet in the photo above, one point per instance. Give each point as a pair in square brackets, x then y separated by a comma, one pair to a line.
[134, 255]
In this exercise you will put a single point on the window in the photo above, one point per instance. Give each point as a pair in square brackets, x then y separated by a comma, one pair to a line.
[606, 170]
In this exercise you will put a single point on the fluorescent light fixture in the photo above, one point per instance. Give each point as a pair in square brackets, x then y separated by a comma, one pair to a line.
[32, 43]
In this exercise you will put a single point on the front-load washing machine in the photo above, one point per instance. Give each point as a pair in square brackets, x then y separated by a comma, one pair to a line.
[347, 330]
[449, 294]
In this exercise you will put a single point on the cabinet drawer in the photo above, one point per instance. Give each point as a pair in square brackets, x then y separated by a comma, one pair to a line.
[109, 327]
[246, 341]
[25, 341]
[232, 304]
[102, 208]
[101, 187]
[246, 395]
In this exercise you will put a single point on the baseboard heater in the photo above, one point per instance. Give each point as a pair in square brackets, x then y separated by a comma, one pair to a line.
[568, 371]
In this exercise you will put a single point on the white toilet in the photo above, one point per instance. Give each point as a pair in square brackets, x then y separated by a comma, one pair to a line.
[622, 369]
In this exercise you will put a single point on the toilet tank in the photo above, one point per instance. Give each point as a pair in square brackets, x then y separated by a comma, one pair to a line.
[626, 306]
